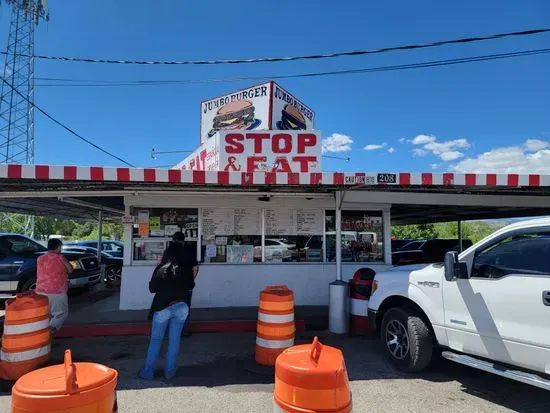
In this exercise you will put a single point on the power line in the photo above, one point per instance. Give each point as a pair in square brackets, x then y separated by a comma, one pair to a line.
[293, 58]
[64, 126]
[419, 65]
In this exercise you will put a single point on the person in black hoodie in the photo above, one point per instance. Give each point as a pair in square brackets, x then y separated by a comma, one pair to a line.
[172, 283]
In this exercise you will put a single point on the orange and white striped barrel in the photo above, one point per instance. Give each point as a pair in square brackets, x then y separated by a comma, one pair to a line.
[311, 378]
[68, 388]
[26, 342]
[275, 329]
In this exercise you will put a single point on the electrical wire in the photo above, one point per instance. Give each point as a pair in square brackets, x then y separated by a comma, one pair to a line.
[70, 130]
[419, 65]
[294, 58]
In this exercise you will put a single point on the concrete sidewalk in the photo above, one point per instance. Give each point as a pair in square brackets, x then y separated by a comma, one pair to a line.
[101, 306]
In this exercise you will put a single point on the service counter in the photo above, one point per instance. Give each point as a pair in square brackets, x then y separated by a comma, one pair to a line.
[245, 242]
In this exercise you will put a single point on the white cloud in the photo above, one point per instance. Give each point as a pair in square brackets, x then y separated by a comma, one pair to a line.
[373, 147]
[402, 140]
[451, 155]
[391, 150]
[337, 143]
[422, 139]
[446, 151]
[513, 159]
[534, 145]
[419, 152]
[435, 165]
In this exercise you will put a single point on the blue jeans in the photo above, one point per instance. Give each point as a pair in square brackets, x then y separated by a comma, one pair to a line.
[174, 318]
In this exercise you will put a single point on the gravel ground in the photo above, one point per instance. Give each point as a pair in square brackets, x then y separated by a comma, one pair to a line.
[214, 376]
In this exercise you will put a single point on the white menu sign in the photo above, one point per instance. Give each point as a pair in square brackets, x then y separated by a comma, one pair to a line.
[293, 222]
[234, 221]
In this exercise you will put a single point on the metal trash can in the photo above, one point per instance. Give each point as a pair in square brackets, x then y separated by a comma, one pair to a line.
[360, 288]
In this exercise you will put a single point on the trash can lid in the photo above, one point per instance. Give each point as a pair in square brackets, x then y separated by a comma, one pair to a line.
[364, 274]
[312, 366]
[65, 379]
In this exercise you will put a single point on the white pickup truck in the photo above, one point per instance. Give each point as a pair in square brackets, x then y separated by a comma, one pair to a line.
[487, 308]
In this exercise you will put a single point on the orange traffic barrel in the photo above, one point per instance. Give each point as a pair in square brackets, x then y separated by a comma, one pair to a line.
[26, 342]
[275, 328]
[68, 388]
[312, 378]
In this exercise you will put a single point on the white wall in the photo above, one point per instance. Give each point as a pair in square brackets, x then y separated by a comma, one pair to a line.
[239, 285]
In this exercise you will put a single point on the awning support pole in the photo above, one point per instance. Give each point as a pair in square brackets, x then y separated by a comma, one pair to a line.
[459, 230]
[338, 235]
[338, 290]
[99, 234]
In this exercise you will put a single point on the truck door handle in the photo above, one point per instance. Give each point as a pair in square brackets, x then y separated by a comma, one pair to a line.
[546, 298]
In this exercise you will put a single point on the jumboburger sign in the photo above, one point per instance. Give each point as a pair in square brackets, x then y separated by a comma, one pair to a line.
[262, 107]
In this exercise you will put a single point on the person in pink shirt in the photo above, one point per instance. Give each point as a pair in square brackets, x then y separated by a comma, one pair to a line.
[52, 280]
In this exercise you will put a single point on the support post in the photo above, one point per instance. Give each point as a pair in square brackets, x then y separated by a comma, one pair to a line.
[100, 243]
[99, 234]
[459, 230]
[386, 222]
[338, 290]
[338, 235]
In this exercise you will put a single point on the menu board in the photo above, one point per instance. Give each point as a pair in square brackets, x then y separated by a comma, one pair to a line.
[293, 222]
[233, 221]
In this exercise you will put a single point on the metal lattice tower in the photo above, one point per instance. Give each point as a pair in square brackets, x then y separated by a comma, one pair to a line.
[16, 112]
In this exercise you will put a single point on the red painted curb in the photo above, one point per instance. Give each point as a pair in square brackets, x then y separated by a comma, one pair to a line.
[144, 329]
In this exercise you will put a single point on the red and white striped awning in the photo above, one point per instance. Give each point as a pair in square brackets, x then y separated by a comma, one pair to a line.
[148, 175]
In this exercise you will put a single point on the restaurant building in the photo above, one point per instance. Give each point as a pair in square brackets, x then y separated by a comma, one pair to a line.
[256, 207]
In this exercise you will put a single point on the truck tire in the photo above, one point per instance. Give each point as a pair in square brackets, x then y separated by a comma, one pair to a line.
[28, 284]
[407, 339]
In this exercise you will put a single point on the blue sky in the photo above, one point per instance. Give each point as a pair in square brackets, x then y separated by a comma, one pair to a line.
[488, 116]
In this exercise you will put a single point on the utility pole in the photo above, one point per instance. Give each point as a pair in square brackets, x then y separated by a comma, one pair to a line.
[17, 87]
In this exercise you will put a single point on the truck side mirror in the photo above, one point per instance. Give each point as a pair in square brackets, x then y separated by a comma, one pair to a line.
[453, 268]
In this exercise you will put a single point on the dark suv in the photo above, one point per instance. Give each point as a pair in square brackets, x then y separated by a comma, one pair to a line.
[429, 251]
[18, 257]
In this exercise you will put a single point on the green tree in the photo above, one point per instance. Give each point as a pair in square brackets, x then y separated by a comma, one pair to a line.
[473, 230]
[420, 231]
[109, 231]
[44, 227]
[11, 222]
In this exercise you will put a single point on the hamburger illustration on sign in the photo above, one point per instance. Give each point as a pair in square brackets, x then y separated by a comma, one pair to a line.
[291, 119]
[262, 107]
[235, 115]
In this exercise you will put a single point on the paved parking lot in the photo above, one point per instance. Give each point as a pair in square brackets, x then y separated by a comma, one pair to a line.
[214, 377]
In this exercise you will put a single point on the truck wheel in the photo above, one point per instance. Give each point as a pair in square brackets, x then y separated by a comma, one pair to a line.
[113, 274]
[29, 284]
[407, 339]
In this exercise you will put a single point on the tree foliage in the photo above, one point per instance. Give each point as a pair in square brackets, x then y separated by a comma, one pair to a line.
[44, 227]
[420, 231]
[474, 230]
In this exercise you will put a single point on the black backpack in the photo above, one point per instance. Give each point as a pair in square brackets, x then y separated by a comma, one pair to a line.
[169, 269]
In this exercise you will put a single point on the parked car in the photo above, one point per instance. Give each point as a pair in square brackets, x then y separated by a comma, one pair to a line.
[398, 243]
[113, 263]
[280, 249]
[18, 258]
[430, 251]
[487, 308]
[111, 247]
[412, 245]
